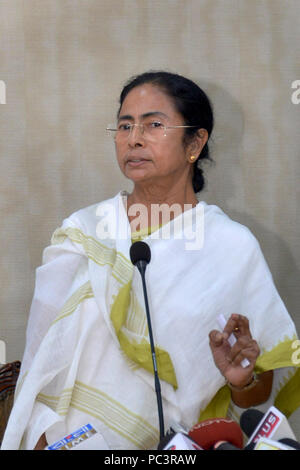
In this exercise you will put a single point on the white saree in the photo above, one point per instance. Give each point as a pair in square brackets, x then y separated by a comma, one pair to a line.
[87, 356]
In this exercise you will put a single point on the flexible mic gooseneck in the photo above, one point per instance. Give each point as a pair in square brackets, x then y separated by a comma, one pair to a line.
[140, 256]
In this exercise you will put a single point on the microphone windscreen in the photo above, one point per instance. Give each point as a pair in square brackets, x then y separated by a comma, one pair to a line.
[208, 432]
[249, 420]
[140, 251]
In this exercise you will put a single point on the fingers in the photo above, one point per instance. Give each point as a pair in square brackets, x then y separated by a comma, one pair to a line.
[244, 348]
[238, 325]
[228, 356]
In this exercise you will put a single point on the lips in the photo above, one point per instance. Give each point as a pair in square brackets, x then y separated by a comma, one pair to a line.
[136, 160]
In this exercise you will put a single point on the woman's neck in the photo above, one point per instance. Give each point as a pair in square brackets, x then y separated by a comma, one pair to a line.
[155, 205]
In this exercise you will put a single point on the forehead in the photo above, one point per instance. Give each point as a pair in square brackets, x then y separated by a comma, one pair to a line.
[148, 98]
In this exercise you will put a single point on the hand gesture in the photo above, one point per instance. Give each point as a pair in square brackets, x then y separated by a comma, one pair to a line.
[228, 358]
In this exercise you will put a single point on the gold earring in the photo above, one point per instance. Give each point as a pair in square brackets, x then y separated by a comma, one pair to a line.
[192, 158]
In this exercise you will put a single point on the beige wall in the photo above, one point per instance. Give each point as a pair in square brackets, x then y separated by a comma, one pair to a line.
[63, 63]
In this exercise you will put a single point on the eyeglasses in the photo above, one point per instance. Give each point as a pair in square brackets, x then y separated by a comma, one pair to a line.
[152, 130]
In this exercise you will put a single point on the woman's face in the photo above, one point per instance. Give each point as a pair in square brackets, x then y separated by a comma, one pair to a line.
[161, 160]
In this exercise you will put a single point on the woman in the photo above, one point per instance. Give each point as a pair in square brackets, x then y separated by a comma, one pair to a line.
[87, 356]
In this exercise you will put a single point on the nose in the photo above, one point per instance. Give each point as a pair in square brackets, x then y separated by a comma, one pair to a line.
[136, 136]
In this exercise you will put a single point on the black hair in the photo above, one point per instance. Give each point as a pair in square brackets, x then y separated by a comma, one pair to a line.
[190, 101]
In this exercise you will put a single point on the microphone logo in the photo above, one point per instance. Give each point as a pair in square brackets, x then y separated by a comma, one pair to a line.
[266, 428]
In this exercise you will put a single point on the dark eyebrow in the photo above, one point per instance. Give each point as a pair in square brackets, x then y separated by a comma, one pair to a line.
[128, 117]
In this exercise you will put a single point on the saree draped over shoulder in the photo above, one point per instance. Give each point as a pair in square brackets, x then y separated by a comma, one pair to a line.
[87, 356]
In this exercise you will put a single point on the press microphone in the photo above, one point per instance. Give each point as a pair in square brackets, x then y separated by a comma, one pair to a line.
[140, 256]
[177, 438]
[249, 420]
[271, 425]
[181, 441]
[264, 443]
[165, 440]
[224, 445]
[290, 442]
[218, 434]
[85, 438]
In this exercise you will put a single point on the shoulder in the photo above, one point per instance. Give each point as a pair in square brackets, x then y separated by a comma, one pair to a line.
[222, 230]
[86, 218]
[78, 229]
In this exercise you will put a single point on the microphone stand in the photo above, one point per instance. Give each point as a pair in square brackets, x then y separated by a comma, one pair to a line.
[141, 265]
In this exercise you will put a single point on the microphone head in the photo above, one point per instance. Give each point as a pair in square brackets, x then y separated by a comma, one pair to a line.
[208, 432]
[249, 420]
[140, 251]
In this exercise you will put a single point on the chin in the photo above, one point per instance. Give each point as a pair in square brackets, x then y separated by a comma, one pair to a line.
[137, 174]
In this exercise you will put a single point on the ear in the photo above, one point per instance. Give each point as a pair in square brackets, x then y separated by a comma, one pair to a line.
[196, 145]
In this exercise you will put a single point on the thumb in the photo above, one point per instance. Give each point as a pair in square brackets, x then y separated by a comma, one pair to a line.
[216, 338]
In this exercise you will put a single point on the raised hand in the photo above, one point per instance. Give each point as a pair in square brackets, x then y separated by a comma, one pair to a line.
[228, 358]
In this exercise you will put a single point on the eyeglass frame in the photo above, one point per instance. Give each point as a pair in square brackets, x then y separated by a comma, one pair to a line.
[141, 126]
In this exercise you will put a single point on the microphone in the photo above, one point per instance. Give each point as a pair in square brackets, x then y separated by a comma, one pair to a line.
[264, 443]
[272, 425]
[165, 440]
[140, 256]
[176, 438]
[181, 441]
[84, 438]
[223, 445]
[290, 442]
[249, 420]
[217, 434]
